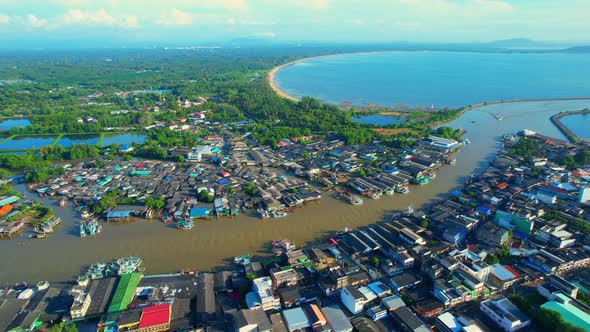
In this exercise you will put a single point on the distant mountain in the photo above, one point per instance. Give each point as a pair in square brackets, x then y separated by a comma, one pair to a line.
[577, 49]
[517, 43]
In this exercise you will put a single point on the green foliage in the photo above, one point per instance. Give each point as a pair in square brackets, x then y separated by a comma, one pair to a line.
[152, 151]
[492, 259]
[154, 203]
[583, 297]
[424, 223]
[251, 189]
[205, 197]
[375, 261]
[552, 321]
[6, 190]
[64, 327]
[42, 174]
[448, 133]
[4, 174]
[526, 148]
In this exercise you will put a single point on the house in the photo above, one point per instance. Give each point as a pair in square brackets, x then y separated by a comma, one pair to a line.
[404, 281]
[505, 314]
[336, 318]
[262, 295]
[295, 319]
[315, 316]
[285, 277]
[353, 299]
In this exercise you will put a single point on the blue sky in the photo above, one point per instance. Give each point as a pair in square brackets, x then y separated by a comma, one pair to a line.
[192, 21]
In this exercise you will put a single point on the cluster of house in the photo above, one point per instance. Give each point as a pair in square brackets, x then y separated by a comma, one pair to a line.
[193, 191]
[452, 266]
[7, 212]
[370, 170]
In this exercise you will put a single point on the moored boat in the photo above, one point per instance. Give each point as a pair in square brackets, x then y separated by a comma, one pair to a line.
[282, 246]
[184, 224]
[243, 260]
[279, 214]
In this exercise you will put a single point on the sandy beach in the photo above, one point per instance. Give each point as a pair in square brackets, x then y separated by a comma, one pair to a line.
[272, 74]
[272, 79]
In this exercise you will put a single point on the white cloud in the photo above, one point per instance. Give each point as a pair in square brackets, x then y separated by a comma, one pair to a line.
[311, 4]
[35, 22]
[268, 34]
[176, 17]
[100, 17]
[493, 6]
[4, 19]
[131, 21]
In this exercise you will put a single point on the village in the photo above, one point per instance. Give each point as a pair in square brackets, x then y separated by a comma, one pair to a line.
[501, 252]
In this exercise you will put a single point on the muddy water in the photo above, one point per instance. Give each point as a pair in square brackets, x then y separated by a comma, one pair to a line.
[210, 244]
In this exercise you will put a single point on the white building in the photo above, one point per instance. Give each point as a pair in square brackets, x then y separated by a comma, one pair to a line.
[80, 305]
[505, 314]
[262, 287]
[201, 152]
[584, 195]
[352, 299]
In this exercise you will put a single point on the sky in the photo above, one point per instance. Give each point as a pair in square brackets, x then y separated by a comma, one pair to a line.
[194, 21]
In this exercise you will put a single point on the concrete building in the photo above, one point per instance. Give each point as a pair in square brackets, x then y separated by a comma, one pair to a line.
[569, 312]
[505, 314]
[80, 306]
[352, 299]
[336, 318]
[263, 293]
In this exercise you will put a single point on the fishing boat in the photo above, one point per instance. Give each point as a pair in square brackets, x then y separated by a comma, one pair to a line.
[127, 264]
[346, 230]
[389, 192]
[351, 198]
[90, 228]
[375, 194]
[63, 202]
[184, 224]
[282, 246]
[422, 180]
[41, 235]
[279, 214]
[85, 213]
[402, 190]
[243, 260]
[263, 214]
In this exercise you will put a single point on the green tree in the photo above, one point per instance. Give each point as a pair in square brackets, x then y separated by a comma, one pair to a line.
[251, 189]
[375, 261]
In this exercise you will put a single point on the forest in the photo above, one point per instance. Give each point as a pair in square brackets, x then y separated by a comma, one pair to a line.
[87, 91]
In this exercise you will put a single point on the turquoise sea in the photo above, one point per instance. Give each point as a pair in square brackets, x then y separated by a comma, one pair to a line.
[439, 79]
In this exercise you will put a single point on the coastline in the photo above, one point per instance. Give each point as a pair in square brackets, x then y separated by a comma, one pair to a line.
[271, 77]
[573, 138]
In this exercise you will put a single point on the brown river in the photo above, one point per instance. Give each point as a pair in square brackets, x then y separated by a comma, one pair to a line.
[211, 244]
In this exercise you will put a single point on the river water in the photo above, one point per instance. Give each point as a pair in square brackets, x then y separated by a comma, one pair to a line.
[213, 243]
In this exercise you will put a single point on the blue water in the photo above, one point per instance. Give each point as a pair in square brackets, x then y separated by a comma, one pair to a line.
[123, 139]
[579, 124]
[27, 142]
[67, 141]
[442, 79]
[381, 120]
[9, 124]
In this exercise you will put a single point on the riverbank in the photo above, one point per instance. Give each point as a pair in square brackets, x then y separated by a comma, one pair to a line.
[556, 120]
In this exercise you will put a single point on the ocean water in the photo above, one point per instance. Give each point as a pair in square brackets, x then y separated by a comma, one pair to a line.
[579, 124]
[439, 79]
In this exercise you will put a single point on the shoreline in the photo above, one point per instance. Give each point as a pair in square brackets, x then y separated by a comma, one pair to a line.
[271, 79]
[565, 130]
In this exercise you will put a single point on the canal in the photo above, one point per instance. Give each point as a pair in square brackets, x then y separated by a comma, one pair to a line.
[213, 243]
